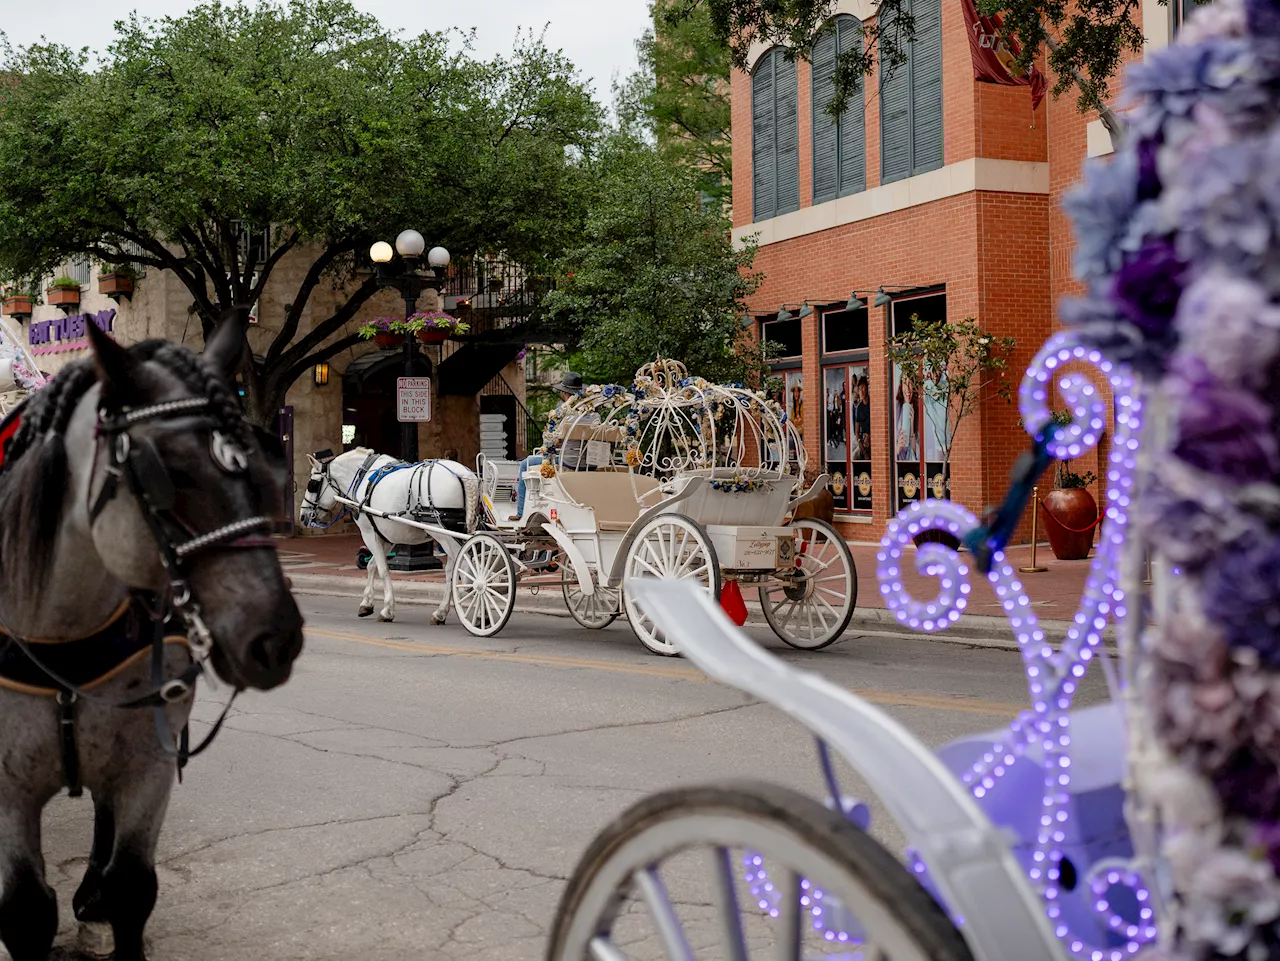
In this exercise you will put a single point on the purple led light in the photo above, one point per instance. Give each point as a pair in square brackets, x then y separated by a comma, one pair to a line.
[1052, 677]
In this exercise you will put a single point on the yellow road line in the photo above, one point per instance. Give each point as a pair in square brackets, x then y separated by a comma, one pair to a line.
[937, 702]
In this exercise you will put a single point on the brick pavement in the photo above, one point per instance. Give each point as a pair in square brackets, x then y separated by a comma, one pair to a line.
[1054, 594]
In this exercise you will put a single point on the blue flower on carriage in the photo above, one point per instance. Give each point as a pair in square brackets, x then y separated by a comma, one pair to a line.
[609, 391]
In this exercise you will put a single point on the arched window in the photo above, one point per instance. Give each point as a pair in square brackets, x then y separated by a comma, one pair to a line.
[911, 101]
[775, 137]
[839, 144]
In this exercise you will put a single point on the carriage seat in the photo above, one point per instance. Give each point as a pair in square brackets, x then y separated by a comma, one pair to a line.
[610, 494]
[609, 433]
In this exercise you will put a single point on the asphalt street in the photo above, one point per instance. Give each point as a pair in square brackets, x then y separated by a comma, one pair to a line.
[416, 793]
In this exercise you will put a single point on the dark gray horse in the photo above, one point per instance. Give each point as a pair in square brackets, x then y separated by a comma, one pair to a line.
[133, 484]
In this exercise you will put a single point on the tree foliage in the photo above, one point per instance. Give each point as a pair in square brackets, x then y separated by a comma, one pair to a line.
[655, 274]
[680, 95]
[307, 123]
[1086, 41]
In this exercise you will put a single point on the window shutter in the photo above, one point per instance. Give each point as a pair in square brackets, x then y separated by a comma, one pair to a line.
[853, 132]
[787, 133]
[926, 86]
[763, 179]
[895, 121]
[826, 157]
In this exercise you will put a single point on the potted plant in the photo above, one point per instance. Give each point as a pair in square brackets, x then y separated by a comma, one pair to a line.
[386, 332]
[952, 366]
[17, 303]
[117, 281]
[435, 326]
[1071, 514]
[64, 292]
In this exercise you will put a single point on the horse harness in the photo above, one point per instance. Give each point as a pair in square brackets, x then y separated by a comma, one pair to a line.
[69, 670]
[373, 476]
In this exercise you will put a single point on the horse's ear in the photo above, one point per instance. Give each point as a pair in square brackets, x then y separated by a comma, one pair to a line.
[116, 366]
[225, 346]
[315, 464]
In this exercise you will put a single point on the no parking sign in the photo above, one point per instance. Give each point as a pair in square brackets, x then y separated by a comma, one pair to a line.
[413, 399]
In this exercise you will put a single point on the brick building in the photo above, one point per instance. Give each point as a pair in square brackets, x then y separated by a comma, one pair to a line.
[934, 195]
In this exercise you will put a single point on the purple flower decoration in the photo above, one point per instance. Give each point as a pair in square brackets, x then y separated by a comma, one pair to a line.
[1249, 786]
[1101, 210]
[1242, 596]
[1225, 431]
[1228, 323]
[1147, 288]
[1148, 175]
[1173, 80]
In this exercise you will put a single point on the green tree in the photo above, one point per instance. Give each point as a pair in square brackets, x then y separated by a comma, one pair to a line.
[680, 95]
[306, 126]
[655, 273]
[1086, 42]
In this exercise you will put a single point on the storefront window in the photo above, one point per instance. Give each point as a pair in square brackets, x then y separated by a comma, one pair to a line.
[783, 338]
[919, 424]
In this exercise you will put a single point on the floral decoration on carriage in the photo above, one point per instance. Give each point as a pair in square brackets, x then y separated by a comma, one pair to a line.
[669, 423]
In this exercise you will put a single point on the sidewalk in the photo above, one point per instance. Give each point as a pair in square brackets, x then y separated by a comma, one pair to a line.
[328, 563]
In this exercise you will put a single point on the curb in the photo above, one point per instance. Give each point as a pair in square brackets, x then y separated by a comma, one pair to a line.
[977, 630]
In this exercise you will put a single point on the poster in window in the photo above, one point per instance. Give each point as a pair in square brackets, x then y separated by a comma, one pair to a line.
[835, 413]
[795, 399]
[795, 409]
[906, 439]
[860, 438]
[906, 419]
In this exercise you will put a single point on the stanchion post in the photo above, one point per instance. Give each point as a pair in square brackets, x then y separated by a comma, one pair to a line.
[1035, 533]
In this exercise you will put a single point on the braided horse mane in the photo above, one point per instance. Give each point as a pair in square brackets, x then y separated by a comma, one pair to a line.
[33, 475]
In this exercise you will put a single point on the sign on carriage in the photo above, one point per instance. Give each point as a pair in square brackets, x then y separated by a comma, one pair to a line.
[413, 399]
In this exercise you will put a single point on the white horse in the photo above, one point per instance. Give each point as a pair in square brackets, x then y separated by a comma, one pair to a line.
[442, 493]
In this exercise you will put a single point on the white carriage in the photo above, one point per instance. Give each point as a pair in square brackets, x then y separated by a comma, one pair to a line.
[19, 375]
[672, 477]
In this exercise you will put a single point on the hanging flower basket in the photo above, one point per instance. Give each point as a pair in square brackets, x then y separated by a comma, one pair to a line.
[116, 283]
[431, 327]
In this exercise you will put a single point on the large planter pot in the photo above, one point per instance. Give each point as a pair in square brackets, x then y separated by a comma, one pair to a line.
[1070, 518]
[64, 297]
[387, 341]
[433, 336]
[17, 305]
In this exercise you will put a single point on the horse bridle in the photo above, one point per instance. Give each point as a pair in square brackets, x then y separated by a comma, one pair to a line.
[138, 464]
[316, 486]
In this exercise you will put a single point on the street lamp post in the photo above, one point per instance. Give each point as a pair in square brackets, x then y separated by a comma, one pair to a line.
[405, 276]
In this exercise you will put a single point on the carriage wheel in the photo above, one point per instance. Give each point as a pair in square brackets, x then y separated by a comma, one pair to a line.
[669, 546]
[591, 611]
[484, 585]
[784, 877]
[813, 609]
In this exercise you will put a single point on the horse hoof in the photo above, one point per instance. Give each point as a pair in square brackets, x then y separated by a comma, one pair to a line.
[96, 940]
[437, 618]
[366, 611]
[386, 619]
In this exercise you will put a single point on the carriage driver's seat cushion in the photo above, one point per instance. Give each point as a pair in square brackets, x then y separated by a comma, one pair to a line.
[610, 494]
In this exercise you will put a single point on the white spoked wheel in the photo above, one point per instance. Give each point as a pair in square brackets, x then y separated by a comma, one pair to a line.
[484, 585]
[671, 546]
[772, 873]
[593, 611]
[812, 609]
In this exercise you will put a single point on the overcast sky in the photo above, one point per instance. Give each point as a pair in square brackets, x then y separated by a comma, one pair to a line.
[601, 44]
